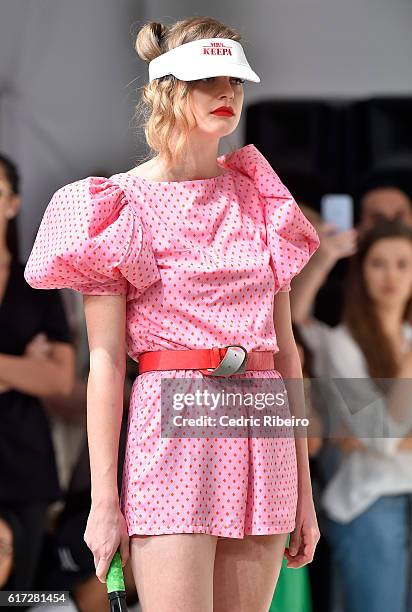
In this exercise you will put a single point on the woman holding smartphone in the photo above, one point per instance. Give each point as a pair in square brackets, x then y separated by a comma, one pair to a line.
[368, 498]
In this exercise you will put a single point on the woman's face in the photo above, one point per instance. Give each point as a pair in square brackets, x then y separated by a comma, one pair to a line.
[9, 201]
[388, 271]
[210, 93]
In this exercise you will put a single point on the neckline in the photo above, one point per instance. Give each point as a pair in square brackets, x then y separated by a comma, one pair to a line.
[186, 182]
[221, 160]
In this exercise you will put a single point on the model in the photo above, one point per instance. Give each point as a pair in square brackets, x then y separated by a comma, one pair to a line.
[193, 254]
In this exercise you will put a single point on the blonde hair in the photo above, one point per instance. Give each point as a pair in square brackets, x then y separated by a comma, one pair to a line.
[164, 102]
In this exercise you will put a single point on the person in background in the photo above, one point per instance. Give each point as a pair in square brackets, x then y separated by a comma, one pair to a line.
[36, 361]
[381, 195]
[385, 195]
[368, 497]
[67, 563]
[313, 336]
[334, 247]
[67, 414]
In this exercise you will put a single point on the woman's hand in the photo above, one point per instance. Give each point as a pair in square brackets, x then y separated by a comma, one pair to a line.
[4, 387]
[335, 245]
[39, 346]
[306, 534]
[350, 444]
[405, 364]
[347, 441]
[405, 444]
[106, 530]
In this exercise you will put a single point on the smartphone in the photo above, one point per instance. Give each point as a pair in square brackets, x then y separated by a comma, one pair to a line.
[337, 208]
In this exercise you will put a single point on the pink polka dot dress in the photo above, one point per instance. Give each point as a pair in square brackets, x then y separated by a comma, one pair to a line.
[199, 263]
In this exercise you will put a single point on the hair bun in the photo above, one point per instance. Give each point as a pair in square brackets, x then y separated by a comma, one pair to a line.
[149, 41]
[159, 31]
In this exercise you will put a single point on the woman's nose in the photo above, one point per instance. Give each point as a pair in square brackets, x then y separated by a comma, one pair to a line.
[391, 273]
[226, 87]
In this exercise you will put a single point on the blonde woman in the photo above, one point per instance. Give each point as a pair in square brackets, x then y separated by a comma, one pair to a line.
[180, 257]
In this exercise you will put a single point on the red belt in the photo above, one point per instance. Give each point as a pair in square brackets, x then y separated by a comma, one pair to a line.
[216, 361]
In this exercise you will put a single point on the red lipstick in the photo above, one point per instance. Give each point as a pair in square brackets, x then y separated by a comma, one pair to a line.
[224, 111]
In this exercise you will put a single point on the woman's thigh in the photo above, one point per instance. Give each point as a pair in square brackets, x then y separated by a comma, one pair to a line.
[246, 572]
[174, 571]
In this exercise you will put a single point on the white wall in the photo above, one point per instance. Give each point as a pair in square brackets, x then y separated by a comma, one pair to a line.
[68, 72]
[66, 94]
[316, 47]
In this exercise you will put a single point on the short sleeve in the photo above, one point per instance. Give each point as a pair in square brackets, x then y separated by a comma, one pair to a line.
[291, 238]
[91, 240]
[357, 399]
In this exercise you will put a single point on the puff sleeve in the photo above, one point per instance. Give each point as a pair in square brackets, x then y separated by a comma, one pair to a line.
[291, 238]
[91, 240]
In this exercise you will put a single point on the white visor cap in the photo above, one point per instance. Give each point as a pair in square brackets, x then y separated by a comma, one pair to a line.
[203, 58]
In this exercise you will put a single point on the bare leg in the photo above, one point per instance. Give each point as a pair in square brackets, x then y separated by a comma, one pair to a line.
[174, 571]
[246, 572]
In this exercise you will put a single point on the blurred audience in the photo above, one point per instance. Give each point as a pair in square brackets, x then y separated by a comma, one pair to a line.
[36, 361]
[44, 494]
[66, 562]
[367, 495]
[382, 195]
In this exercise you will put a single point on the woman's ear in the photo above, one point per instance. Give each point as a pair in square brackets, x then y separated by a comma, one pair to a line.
[14, 206]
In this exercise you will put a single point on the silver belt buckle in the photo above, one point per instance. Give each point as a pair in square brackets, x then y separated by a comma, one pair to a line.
[234, 362]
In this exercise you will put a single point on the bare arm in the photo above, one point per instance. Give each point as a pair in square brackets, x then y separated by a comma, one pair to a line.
[287, 362]
[106, 329]
[306, 286]
[306, 534]
[308, 282]
[44, 376]
[71, 409]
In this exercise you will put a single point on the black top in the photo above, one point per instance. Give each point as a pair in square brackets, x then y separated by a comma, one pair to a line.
[27, 460]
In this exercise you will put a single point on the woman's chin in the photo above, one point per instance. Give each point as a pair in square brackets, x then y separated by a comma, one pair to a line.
[389, 299]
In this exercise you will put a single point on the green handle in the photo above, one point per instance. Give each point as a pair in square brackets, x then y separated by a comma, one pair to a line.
[115, 578]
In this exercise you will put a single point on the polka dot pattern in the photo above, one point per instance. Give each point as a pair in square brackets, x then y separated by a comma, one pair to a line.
[199, 262]
[291, 238]
[90, 240]
[228, 487]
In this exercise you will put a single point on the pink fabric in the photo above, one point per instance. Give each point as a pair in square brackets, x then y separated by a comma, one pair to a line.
[199, 262]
